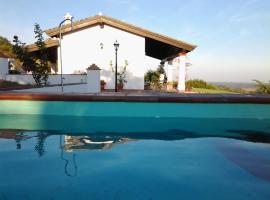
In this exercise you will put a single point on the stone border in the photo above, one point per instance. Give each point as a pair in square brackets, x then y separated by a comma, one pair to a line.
[140, 97]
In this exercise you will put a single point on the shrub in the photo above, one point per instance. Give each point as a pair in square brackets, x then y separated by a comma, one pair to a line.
[263, 88]
[197, 83]
[151, 78]
[174, 84]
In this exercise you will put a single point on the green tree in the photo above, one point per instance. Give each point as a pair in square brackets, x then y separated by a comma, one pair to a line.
[38, 64]
[27, 61]
[42, 70]
[151, 78]
[6, 47]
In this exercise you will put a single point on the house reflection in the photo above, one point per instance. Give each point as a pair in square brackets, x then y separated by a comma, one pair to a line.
[92, 143]
[70, 142]
[16, 135]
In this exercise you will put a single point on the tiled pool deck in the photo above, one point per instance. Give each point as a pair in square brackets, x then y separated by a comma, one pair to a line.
[138, 96]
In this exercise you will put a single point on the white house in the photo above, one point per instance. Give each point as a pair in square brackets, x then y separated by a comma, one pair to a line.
[3, 64]
[91, 41]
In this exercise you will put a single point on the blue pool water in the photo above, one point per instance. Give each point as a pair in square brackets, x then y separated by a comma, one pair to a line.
[57, 150]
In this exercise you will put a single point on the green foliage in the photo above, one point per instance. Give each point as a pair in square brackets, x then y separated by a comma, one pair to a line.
[151, 78]
[121, 76]
[42, 70]
[230, 90]
[38, 64]
[197, 83]
[173, 83]
[204, 87]
[261, 87]
[6, 47]
[27, 61]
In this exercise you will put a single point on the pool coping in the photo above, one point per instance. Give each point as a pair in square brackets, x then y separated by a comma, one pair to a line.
[140, 97]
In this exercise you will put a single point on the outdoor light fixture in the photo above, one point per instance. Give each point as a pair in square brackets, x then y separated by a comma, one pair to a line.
[116, 47]
[70, 18]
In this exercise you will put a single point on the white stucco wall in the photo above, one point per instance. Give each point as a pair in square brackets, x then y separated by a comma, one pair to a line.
[93, 81]
[171, 69]
[82, 48]
[151, 63]
[53, 79]
[3, 66]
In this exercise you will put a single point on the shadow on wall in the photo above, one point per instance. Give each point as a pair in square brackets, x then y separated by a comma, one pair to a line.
[108, 77]
[133, 82]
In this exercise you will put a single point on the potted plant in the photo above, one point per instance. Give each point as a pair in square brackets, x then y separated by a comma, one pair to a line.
[102, 84]
[121, 78]
[92, 67]
[175, 84]
[172, 85]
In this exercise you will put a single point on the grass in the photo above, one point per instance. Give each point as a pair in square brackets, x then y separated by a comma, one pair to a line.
[201, 86]
[214, 91]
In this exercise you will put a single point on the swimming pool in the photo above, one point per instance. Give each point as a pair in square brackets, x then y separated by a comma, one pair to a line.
[109, 150]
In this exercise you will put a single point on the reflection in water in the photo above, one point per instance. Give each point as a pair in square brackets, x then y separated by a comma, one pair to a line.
[17, 135]
[245, 159]
[105, 141]
[67, 161]
[70, 144]
[253, 136]
[92, 142]
[41, 137]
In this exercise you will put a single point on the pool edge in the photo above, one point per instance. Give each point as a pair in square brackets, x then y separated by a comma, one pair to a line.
[146, 98]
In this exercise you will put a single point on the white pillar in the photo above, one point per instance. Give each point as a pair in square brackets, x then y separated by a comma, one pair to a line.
[58, 61]
[169, 71]
[182, 72]
[93, 81]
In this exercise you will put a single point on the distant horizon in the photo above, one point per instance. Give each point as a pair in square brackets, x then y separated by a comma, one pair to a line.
[232, 36]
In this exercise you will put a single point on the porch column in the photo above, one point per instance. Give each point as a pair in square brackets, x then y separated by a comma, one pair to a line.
[58, 61]
[169, 71]
[182, 72]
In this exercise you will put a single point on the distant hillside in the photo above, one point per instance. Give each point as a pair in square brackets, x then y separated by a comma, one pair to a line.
[236, 85]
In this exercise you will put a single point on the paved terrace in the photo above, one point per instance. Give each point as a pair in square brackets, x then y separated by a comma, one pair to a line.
[137, 96]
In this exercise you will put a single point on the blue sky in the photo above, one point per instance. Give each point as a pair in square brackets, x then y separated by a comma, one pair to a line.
[233, 36]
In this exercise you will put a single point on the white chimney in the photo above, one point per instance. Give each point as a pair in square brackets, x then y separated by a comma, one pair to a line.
[68, 16]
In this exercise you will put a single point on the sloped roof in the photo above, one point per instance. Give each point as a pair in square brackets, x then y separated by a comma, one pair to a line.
[48, 43]
[101, 20]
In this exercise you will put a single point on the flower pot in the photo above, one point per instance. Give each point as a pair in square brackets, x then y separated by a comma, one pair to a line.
[120, 86]
[102, 86]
